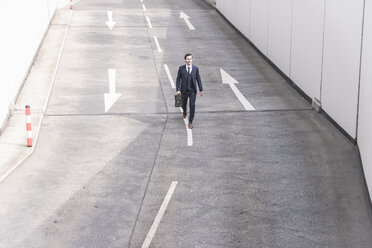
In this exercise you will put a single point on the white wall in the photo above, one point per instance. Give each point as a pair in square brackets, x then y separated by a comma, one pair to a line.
[279, 33]
[229, 8]
[365, 103]
[23, 24]
[237, 12]
[307, 45]
[317, 44]
[242, 13]
[341, 61]
[230, 11]
[259, 23]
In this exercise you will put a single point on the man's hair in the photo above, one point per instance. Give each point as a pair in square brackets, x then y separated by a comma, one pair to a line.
[187, 55]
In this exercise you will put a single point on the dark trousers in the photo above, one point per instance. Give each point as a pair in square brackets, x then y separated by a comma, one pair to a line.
[192, 96]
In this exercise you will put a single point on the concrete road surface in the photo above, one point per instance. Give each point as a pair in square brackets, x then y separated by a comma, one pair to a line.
[277, 176]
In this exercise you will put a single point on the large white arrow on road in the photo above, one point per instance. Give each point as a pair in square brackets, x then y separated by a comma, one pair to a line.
[111, 97]
[227, 79]
[186, 18]
[110, 23]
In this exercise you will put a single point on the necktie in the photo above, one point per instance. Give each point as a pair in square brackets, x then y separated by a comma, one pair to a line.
[188, 70]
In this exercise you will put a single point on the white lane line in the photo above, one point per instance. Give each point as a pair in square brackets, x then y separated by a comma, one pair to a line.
[188, 130]
[227, 79]
[141, 1]
[159, 216]
[144, 8]
[169, 76]
[148, 21]
[157, 44]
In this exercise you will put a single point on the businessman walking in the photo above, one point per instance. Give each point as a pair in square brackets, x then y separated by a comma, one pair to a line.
[187, 79]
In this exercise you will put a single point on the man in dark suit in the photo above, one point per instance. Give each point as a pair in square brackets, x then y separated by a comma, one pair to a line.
[187, 79]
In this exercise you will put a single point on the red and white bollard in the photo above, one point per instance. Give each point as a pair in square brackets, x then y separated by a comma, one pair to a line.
[28, 126]
[70, 4]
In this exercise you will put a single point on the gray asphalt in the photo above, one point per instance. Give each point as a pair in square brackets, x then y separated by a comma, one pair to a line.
[281, 176]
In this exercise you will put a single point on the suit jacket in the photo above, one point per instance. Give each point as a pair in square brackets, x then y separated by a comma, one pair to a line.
[181, 82]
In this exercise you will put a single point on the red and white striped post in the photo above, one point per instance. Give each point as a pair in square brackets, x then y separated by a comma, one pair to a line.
[28, 126]
[70, 4]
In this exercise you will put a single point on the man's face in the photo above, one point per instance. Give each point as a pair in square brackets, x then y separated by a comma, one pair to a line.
[188, 60]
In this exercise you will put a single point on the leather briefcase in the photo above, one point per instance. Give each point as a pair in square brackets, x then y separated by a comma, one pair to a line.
[178, 100]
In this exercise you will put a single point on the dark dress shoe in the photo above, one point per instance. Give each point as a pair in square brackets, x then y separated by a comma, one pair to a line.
[184, 114]
[190, 125]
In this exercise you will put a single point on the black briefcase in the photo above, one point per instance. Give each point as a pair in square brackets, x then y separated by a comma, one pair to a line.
[178, 100]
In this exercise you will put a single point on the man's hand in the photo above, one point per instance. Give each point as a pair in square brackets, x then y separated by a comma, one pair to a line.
[178, 92]
[201, 93]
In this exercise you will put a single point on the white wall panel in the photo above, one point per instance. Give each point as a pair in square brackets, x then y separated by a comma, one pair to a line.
[342, 44]
[221, 5]
[259, 24]
[279, 34]
[28, 33]
[242, 12]
[307, 45]
[365, 104]
[230, 11]
[22, 24]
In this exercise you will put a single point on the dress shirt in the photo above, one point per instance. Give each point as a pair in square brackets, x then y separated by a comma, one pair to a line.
[190, 68]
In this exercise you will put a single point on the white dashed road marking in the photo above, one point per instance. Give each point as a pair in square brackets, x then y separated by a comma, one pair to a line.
[148, 21]
[169, 76]
[159, 216]
[157, 44]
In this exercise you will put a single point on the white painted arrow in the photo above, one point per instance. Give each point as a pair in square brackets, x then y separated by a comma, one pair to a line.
[227, 79]
[110, 23]
[112, 97]
[186, 18]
